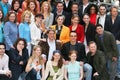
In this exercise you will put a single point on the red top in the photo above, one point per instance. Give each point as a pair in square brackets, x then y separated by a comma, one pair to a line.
[80, 32]
[93, 18]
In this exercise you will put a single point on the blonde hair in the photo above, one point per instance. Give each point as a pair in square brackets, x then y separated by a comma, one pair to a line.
[49, 7]
[23, 15]
[34, 54]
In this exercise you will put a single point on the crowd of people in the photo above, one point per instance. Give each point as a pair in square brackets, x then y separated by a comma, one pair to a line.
[59, 40]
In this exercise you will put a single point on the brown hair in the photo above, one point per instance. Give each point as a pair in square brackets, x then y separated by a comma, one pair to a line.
[18, 40]
[13, 2]
[60, 62]
[73, 52]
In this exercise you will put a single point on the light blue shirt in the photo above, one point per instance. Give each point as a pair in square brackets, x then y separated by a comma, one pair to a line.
[1, 32]
[24, 31]
[73, 70]
[10, 33]
[4, 7]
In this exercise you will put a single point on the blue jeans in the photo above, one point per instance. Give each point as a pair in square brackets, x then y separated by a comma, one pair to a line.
[118, 65]
[88, 71]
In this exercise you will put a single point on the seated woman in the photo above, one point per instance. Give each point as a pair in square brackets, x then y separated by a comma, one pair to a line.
[55, 67]
[62, 32]
[18, 58]
[74, 69]
[35, 65]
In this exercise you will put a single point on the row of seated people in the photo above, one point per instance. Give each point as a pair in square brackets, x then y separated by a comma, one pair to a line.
[47, 58]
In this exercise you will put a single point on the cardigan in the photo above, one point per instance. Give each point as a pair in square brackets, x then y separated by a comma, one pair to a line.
[49, 68]
[64, 35]
[1, 32]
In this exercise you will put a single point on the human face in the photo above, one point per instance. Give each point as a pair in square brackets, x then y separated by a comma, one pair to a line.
[85, 1]
[27, 18]
[92, 48]
[1, 15]
[2, 49]
[39, 19]
[75, 20]
[114, 12]
[38, 51]
[4, 1]
[74, 9]
[99, 30]
[16, 5]
[12, 17]
[59, 7]
[73, 37]
[56, 56]
[32, 6]
[92, 10]
[60, 20]
[86, 19]
[73, 57]
[46, 7]
[51, 35]
[102, 10]
[20, 45]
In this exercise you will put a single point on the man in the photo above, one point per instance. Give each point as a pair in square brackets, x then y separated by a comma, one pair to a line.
[5, 73]
[80, 48]
[97, 60]
[50, 44]
[114, 28]
[67, 5]
[5, 6]
[60, 11]
[103, 18]
[106, 43]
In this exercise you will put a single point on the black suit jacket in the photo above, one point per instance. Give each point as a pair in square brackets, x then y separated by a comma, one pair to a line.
[90, 33]
[79, 47]
[114, 27]
[106, 24]
[67, 9]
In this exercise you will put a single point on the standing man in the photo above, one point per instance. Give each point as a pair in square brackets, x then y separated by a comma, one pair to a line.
[5, 73]
[106, 43]
[50, 44]
[80, 48]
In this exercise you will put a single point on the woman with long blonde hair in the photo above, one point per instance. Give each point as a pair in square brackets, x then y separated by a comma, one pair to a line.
[35, 64]
[48, 16]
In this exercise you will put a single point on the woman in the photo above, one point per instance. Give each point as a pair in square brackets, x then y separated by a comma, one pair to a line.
[24, 29]
[18, 58]
[48, 16]
[79, 29]
[36, 29]
[25, 2]
[35, 65]
[32, 7]
[74, 69]
[89, 31]
[55, 67]
[1, 26]
[93, 11]
[62, 32]
[16, 7]
[10, 30]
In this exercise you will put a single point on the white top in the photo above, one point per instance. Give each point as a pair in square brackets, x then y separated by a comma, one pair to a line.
[4, 64]
[52, 47]
[102, 20]
[35, 33]
[84, 6]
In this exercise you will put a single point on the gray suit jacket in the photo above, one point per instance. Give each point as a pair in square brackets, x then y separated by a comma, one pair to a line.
[108, 45]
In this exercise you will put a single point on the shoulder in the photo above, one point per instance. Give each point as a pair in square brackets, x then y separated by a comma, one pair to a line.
[65, 27]
[6, 56]
[51, 14]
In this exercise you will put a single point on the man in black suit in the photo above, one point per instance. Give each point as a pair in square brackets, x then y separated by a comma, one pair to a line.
[60, 11]
[103, 18]
[80, 48]
[106, 42]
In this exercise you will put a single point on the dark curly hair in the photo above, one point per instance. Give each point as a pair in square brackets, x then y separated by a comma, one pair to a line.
[95, 6]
